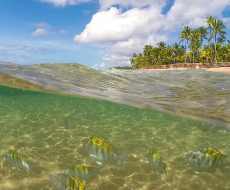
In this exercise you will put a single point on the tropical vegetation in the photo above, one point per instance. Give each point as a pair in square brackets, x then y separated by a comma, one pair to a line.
[122, 68]
[200, 45]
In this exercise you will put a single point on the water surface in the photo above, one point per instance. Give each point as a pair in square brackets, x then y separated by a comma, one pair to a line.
[193, 93]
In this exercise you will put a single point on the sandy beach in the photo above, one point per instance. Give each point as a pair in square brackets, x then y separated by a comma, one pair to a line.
[218, 69]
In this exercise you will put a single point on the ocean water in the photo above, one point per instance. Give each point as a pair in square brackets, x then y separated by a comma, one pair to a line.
[31, 123]
[193, 93]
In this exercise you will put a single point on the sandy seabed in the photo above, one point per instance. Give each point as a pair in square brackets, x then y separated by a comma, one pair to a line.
[33, 126]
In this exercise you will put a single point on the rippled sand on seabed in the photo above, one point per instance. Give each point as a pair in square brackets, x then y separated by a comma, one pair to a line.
[33, 126]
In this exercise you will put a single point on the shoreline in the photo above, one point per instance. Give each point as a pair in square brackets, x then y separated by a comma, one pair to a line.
[213, 69]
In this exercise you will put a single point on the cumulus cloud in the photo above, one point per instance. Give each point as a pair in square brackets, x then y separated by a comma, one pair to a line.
[112, 60]
[97, 66]
[113, 25]
[193, 13]
[39, 32]
[65, 2]
[119, 53]
[136, 44]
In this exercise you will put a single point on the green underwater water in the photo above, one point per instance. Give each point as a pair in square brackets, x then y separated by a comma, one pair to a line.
[33, 126]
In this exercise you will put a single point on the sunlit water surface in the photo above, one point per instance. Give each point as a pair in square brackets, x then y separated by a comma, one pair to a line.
[193, 93]
[33, 126]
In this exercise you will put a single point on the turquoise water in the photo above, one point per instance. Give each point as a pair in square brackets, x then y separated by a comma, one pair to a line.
[33, 126]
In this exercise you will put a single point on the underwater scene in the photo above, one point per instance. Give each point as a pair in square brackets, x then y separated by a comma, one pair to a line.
[110, 145]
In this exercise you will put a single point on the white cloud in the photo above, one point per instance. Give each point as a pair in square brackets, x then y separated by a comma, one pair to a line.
[23, 59]
[99, 66]
[112, 61]
[62, 31]
[31, 49]
[113, 25]
[39, 32]
[86, 11]
[105, 4]
[64, 2]
[226, 22]
[135, 44]
[126, 29]
[197, 22]
[52, 43]
[193, 12]
[11, 48]
[41, 25]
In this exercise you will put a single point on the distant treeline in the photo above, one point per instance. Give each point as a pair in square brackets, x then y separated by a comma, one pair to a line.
[125, 68]
[215, 50]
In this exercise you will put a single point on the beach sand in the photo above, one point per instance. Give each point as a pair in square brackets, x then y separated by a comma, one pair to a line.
[218, 69]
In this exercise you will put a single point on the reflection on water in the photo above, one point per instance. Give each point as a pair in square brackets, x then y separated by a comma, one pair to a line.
[191, 93]
[33, 126]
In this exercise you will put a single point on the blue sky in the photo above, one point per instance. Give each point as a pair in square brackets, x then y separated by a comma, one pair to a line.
[19, 19]
[97, 33]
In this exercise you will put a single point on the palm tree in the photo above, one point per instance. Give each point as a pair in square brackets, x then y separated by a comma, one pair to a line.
[182, 54]
[162, 54]
[209, 21]
[175, 49]
[228, 42]
[221, 40]
[162, 47]
[139, 61]
[184, 36]
[217, 26]
[203, 33]
[133, 60]
[205, 52]
[224, 52]
[195, 41]
[156, 54]
[169, 55]
[147, 53]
